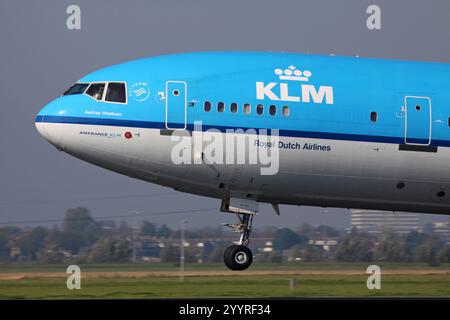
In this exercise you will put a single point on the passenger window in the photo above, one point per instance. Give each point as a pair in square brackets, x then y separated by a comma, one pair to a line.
[77, 88]
[207, 106]
[285, 111]
[233, 107]
[449, 121]
[247, 108]
[373, 116]
[95, 90]
[220, 107]
[272, 110]
[259, 109]
[116, 92]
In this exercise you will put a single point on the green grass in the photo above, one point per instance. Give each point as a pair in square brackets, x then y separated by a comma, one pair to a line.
[272, 286]
[33, 267]
[224, 286]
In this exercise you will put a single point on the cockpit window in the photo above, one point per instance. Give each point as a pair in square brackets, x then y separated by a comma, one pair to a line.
[112, 92]
[77, 88]
[116, 92]
[95, 90]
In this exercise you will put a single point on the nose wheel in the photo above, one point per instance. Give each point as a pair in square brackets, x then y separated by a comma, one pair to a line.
[239, 256]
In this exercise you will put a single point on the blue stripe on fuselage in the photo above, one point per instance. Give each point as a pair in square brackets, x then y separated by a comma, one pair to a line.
[283, 133]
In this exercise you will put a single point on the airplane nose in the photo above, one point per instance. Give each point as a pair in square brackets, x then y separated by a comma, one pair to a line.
[40, 126]
[45, 128]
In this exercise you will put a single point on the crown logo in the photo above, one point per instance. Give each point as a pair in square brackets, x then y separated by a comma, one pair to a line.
[292, 73]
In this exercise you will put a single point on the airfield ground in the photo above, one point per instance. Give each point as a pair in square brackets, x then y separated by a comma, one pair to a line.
[211, 280]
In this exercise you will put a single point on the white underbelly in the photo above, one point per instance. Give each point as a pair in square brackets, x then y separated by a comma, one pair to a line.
[316, 172]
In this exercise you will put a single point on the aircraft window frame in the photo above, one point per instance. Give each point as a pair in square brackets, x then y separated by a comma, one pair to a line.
[220, 106]
[103, 92]
[273, 110]
[285, 111]
[260, 109]
[373, 116]
[103, 99]
[247, 108]
[67, 92]
[234, 107]
[125, 92]
[207, 106]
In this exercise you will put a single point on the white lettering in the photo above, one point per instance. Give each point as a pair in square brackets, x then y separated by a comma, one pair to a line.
[265, 90]
[73, 21]
[374, 20]
[181, 152]
[317, 97]
[213, 152]
[74, 280]
[374, 280]
[284, 94]
[239, 147]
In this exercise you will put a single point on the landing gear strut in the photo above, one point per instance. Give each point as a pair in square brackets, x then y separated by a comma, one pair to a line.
[239, 256]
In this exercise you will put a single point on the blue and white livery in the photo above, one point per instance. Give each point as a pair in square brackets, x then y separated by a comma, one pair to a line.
[350, 132]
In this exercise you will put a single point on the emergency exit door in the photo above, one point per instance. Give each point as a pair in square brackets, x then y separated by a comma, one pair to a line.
[417, 120]
[176, 105]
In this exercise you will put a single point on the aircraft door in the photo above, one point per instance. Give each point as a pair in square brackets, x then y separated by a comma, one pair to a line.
[176, 105]
[417, 120]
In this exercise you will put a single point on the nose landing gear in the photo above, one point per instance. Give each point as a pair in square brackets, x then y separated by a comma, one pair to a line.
[240, 257]
[237, 257]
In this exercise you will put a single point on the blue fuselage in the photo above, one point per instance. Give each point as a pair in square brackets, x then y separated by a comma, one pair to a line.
[359, 87]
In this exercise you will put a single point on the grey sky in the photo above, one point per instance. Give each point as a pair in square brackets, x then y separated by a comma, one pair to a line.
[40, 58]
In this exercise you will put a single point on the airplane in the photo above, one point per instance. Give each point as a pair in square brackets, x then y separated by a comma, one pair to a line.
[325, 130]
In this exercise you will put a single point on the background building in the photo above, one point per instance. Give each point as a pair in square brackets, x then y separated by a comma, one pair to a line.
[375, 222]
[442, 229]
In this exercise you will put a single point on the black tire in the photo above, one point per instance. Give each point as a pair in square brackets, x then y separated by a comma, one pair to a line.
[237, 257]
[226, 253]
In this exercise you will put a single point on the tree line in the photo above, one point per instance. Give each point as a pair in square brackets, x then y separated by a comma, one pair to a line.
[82, 239]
